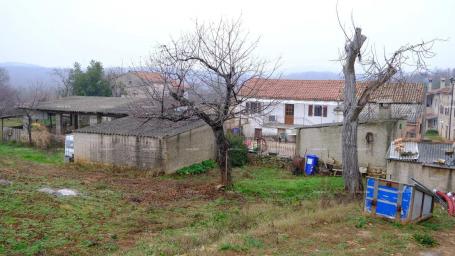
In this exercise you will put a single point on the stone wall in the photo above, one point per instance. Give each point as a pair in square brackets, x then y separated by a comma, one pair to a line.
[325, 141]
[434, 177]
[189, 147]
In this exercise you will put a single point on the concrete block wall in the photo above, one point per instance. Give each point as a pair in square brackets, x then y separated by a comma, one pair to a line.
[433, 177]
[325, 142]
[189, 147]
[139, 152]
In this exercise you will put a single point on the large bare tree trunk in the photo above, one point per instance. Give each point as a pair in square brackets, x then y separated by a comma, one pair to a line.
[222, 145]
[351, 174]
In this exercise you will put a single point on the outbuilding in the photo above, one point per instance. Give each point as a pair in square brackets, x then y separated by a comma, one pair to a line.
[432, 164]
[160, 146]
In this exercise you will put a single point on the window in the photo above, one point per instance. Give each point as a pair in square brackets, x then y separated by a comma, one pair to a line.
[441, 109]
[272, 118]
[310, 110]
[317, 110]
[253, 107]
[324, 111]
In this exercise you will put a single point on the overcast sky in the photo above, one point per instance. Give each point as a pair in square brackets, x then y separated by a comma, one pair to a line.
[305, 34]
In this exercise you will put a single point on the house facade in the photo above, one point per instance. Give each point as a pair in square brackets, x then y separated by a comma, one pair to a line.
[280, 106]
[439, 115]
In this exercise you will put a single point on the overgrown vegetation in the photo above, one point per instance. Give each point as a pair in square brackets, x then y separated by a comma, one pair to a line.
[425, 239]
[433, 135]
[126, 212]
[15, 151]
[238, 151]
[198, 168]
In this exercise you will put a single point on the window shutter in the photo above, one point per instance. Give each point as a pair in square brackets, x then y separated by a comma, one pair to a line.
[324, 111]
[310, 110]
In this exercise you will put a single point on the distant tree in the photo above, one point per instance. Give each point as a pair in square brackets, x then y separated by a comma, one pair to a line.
[62, 77]
[116, 86]
[7, 93]
[91, 82]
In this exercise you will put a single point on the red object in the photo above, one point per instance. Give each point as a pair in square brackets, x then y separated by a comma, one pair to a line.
[450, 202]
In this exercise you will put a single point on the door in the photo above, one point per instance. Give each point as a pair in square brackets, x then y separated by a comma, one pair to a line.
[289, 113]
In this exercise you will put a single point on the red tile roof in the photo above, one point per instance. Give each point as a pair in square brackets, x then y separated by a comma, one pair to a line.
[328, 90]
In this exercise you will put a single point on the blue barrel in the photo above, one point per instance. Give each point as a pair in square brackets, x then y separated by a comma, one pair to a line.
[310, 164]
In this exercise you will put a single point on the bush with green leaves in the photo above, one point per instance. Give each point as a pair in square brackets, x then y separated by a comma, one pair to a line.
[201, 167]
[238, 151]
[431, 132]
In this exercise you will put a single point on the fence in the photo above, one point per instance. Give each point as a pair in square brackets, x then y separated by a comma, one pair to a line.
[270, 146]
[12, 134]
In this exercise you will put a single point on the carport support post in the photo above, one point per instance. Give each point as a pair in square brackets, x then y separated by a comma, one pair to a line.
[2, 129]
[74, 121]
[58, 124]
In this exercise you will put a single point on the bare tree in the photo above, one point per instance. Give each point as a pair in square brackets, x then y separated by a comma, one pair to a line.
[63, 78]
[112, 77]
[356, 96]
[207, 74]
[28, 100]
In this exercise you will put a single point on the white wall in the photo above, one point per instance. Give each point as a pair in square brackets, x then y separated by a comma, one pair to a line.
[300, 116]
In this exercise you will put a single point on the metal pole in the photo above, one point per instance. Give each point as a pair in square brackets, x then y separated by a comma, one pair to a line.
[451, 106]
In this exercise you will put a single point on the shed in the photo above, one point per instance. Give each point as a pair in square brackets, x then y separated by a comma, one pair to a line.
[160, 146]
[433, 164]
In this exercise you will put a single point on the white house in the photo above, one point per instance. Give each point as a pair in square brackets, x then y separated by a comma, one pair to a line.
[276, 107]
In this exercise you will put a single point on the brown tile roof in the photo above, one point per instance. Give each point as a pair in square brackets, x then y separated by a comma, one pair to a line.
[328, 90]
[410, 93]
[149, 76]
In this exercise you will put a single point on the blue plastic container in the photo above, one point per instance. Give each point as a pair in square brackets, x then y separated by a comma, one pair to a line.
[310, 164]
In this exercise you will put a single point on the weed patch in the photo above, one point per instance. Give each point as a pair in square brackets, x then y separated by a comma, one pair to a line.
[198, 168]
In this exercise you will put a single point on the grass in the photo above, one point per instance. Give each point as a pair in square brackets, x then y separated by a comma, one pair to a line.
[268, 212]
[26, 153]
[269, 183]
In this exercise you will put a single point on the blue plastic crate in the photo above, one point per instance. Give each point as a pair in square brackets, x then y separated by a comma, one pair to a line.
[397, 201]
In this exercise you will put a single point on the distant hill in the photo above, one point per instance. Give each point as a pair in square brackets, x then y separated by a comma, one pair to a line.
[23, 75]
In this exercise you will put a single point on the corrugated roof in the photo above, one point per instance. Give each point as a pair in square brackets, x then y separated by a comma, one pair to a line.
[87, 104]
[329, 90]
[427, 152]
[409, 147]
[132, 126]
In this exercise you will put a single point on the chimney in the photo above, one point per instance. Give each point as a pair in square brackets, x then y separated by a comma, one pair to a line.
[430, 84]
[385, 111]
[443, 82]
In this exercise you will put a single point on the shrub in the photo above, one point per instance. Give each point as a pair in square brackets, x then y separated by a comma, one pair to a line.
[202, 167]
[41, 137]
[425, 239]
[431, 132]
[238, 153]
